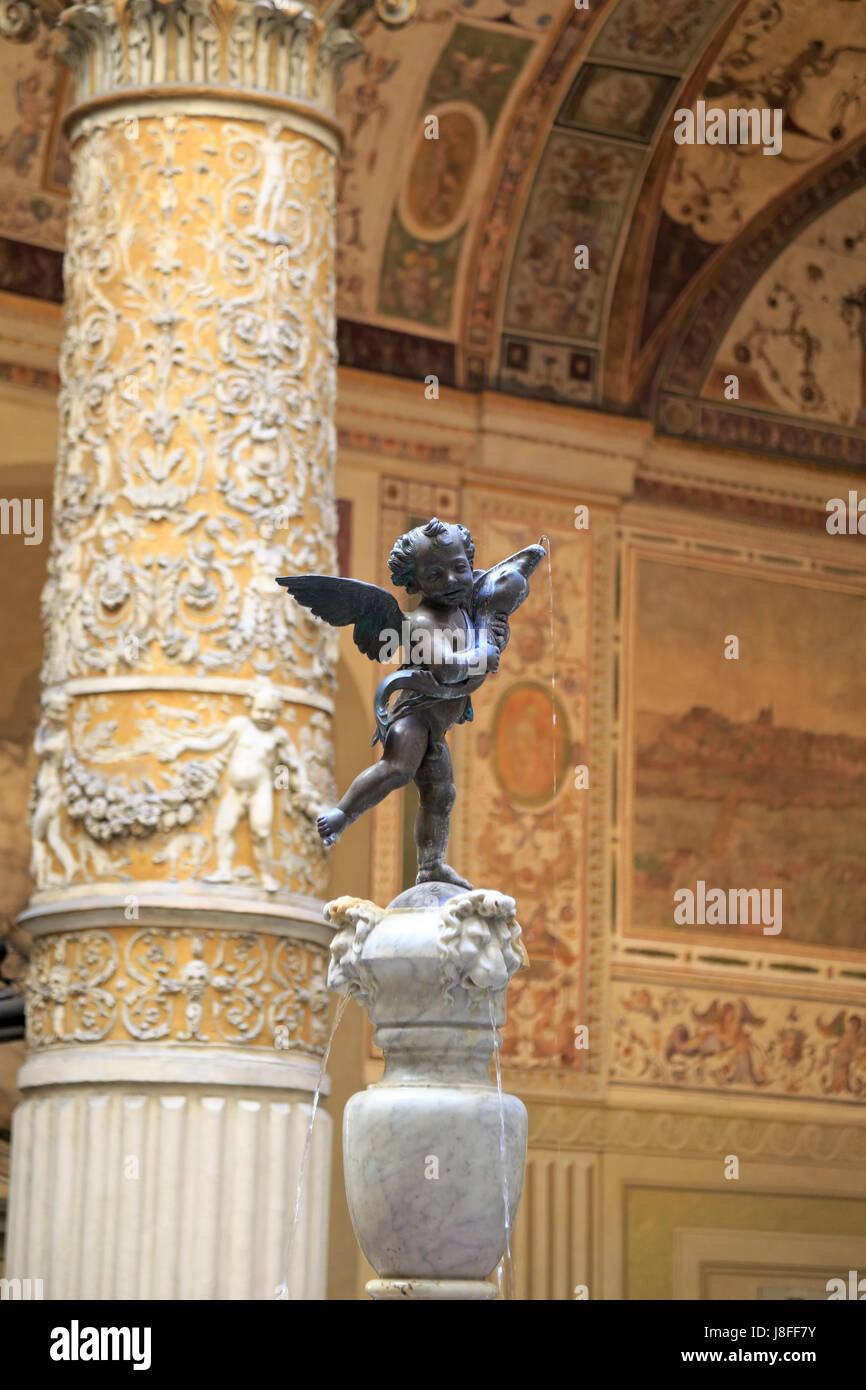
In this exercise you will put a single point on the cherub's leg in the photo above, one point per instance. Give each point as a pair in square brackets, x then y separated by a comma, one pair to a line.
[55, 839]
[225, 823]
[435, 782]
[39, 849]
[405, 746]
[39, 863]
[261, 818]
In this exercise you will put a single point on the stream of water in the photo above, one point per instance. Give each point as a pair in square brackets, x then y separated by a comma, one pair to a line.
[545, 540]
[507, 1277]
[552, 681]
[282, 1290]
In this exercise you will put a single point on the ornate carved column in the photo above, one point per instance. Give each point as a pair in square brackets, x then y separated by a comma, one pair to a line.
[177, 1009]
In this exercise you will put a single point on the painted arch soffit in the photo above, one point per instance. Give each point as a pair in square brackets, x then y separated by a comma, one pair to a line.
[555, 129]
[424, 119]
[582, 188]
[476, 109]
[702, 201]
[772, 352]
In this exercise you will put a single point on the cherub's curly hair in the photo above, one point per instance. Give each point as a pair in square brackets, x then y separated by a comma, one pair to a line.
[401, 561]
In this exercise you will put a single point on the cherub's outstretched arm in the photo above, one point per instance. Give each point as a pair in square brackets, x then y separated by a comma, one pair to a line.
[204, 743]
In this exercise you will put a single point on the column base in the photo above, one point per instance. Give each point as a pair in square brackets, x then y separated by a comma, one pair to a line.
[431, 1290]
[177, 1187]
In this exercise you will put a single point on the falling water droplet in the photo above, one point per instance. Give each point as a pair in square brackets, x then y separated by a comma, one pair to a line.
[281, 1291]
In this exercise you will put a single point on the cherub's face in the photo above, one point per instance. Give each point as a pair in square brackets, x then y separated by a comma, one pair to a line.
[263, 713]
[443, 572]
[57, 707]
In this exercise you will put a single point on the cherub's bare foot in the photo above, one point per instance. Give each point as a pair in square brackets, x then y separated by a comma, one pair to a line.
[330, 825]
[219, 876]
[442, 873]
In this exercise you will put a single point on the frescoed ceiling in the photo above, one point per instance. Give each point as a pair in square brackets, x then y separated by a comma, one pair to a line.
[808, 309]
[555, 130]
[34, 167]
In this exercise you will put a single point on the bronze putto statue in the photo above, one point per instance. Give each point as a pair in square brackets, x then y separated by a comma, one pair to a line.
[451, 642]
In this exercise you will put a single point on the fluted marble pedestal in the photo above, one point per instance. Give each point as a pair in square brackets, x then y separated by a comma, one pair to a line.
[125, 1188]
[434, 1155]
[168, 1094]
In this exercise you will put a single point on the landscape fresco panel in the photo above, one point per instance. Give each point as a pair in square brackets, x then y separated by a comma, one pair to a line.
[750, 773]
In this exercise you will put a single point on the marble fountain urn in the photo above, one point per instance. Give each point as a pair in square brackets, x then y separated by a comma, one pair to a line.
[434, 1153]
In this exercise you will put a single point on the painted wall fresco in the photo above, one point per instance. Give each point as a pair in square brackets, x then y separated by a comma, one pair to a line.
[476, 69]
[514, 828]
[798, 343]
[36, 271]
[749, 773]
[436, 188]
[698, 1039]
[425, 228]
[532, 16]
[580, 197]
[552, 371]
[803, 58]
[477, 65]
[616, 101]
[418, 276]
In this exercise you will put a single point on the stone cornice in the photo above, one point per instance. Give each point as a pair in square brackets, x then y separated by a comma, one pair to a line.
[595, 1128]
[154, 1067]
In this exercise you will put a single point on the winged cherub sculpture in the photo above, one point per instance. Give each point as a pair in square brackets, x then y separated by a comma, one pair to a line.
[451, 642]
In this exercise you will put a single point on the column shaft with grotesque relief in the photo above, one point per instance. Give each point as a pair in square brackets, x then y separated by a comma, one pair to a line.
[185, 738]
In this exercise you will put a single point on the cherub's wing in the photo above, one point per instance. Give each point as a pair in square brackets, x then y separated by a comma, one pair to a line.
[710, 1014]
[746, 1015]
[835, 1028]
[344, 601]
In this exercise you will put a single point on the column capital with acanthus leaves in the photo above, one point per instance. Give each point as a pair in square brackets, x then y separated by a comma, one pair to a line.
[293, 49]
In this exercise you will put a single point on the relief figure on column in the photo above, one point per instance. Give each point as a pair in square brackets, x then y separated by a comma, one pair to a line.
[256, 748]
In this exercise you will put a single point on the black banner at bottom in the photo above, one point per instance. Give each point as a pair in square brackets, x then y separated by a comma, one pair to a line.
[79, 1339]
